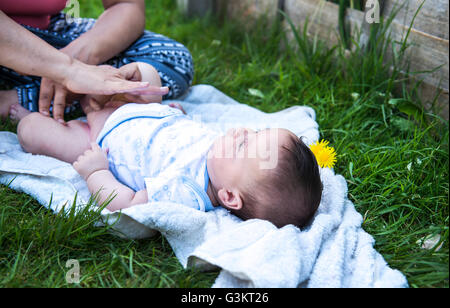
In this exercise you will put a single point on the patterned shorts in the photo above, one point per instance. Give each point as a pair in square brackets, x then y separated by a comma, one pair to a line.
[171, 59]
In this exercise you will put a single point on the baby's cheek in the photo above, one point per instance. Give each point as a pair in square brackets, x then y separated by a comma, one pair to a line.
[217, 150]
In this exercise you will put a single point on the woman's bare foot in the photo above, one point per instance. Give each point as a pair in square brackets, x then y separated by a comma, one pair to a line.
[7, 99]
[17, 112]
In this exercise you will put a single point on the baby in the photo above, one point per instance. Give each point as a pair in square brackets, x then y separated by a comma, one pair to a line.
[139, 153]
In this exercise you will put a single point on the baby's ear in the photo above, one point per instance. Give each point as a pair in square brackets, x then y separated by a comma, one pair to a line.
[231, 199]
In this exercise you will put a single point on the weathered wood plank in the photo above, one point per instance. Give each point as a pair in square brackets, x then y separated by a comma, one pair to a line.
[322, 17]
[246, 10]
[425, 51]
[355, 21]
[427, 94]
[365, 23]
[428, 38]
[428, 43]
[425, 54]
[432, 18]
[195, 7]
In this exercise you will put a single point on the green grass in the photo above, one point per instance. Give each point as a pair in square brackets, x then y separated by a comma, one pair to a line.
[393, 155]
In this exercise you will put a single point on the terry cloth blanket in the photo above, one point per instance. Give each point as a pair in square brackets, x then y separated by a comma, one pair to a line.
[334, 251]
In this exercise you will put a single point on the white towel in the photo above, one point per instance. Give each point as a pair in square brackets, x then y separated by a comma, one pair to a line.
[334, 251]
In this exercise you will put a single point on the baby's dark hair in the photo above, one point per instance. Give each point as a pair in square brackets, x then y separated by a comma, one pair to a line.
[292, 191]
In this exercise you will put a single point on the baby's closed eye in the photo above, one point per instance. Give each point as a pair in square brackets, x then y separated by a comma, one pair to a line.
[244, 141]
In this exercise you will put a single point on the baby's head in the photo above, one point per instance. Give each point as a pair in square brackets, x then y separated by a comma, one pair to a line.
[269, 174]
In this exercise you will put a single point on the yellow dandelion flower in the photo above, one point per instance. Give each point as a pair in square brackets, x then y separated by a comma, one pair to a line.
[325, 155]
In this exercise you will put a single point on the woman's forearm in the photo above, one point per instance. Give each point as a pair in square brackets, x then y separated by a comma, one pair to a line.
[22, 51]
[26, 53]
[121, 24]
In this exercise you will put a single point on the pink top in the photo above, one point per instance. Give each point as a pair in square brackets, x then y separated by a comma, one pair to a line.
[34, 13]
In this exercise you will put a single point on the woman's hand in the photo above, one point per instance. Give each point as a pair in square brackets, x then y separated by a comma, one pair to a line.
[52, 91]
[91, 161]
[130, 72]
[122, 22]
[97, 80]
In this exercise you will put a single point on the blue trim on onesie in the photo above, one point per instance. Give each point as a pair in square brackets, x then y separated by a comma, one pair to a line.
[201, 194]
[113, 123]
[208, 206]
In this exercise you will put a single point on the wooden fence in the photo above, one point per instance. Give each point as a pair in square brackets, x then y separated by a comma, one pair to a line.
[428, 38]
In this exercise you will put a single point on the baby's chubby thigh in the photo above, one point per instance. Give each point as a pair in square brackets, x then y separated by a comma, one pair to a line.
[43, 135]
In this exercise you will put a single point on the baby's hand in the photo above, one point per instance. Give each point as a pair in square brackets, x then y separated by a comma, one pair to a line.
[91, 161]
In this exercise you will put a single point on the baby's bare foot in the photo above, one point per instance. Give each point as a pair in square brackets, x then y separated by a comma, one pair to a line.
[177, 106]
[17, 112]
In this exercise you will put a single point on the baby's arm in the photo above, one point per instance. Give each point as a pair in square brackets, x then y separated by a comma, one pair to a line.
[107, 186]
[93, 166]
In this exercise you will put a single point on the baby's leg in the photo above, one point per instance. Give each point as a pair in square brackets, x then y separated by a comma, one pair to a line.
[43, 135]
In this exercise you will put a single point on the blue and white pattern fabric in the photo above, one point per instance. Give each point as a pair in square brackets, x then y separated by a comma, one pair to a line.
[171, 59]
[158, 148]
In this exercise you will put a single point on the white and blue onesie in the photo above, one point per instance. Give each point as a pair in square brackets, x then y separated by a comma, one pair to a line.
[158, 148]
